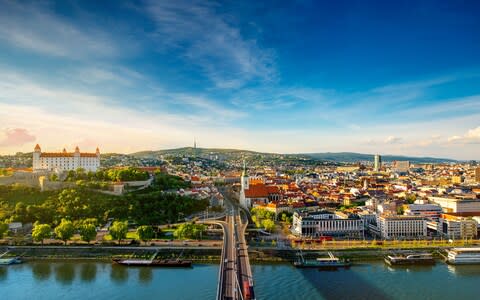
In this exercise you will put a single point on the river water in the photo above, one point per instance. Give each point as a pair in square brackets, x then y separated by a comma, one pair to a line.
[373, 280]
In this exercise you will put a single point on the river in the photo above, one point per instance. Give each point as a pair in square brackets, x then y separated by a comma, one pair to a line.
[43, 280]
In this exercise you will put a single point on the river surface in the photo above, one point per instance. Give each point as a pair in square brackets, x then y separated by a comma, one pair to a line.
[373, 280]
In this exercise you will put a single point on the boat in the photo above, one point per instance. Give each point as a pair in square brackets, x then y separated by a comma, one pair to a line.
[10, 261]
[172, 263]
[330, 262]
[463, 256]
[410, 259]
[152, 262]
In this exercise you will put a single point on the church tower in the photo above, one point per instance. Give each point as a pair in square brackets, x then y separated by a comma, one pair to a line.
[244, 178]
[245, 185]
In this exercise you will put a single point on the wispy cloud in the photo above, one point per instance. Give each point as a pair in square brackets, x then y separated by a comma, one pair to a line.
[35, 27]
[207, 39]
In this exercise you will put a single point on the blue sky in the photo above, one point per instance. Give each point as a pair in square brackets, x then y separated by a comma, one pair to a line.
[300, 76]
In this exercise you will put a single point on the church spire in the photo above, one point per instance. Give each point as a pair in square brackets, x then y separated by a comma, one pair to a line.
[244, 172]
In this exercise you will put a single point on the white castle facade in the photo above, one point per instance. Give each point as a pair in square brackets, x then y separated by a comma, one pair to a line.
[65, 161]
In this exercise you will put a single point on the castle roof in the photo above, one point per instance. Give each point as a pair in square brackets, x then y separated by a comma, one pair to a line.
[66, 154]
[37, 147]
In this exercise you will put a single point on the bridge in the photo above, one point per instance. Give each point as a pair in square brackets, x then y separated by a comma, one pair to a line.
[235, 279]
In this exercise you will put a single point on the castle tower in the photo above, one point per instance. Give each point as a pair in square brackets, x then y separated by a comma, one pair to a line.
[37, 151]
[97, 152]
[76, 158]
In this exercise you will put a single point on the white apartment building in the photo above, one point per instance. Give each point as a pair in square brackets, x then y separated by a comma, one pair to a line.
[325, 223]
[65, 161]
[398, 227]
[456, 205]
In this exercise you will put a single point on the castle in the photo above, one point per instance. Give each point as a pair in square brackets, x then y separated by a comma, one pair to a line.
[65, 161]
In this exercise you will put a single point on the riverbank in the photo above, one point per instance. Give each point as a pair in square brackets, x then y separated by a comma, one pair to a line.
[197, 255]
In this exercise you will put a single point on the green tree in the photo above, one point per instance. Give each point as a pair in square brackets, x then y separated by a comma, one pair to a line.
[145, 233]
[41, 232]
[65, 230]
[88, 232]
[268, 224]
[119, 230]
[189, 230]
[3, 229]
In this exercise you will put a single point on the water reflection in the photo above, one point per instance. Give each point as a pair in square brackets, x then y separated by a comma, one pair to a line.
[465, 270]
[41, 271]
[65, 273]
[119, 274]
[88, 272]
[3, 273]
[410, 268]
[145, 275]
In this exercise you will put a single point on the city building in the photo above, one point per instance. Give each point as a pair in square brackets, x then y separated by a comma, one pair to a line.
[326, 223]
[377, 163]
[457, 205]
[431, 211]
[65, 161]
[477, 174]
[401, 166]
[401, 227]
[457, 227]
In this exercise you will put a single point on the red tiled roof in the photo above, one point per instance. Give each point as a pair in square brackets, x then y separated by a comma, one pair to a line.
[261, 191]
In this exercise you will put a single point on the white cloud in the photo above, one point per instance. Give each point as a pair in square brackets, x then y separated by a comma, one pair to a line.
[472, 136]
[393, 140]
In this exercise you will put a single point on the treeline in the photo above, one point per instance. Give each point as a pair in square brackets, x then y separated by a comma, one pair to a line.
[123, 174]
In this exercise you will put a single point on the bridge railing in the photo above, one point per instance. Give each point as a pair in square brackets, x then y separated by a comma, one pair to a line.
[221, 270]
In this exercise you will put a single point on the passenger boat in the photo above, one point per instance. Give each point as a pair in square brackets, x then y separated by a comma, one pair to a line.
[10, 261]
[330, 262]
[152, 262]
[171, 263]
[410, 259]
[463, 256]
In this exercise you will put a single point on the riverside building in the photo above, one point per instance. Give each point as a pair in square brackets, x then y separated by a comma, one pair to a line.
[402, 227]
[325, 223]
[65, 161]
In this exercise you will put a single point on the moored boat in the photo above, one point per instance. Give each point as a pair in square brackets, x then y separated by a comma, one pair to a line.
[330, 262]
[152, 262]
[10, 261]
[463, 256]
[171, 263]
[410, 259]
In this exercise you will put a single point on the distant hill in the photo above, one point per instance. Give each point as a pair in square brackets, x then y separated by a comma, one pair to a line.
[190, 151]
[348, 157]
[354, 157]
